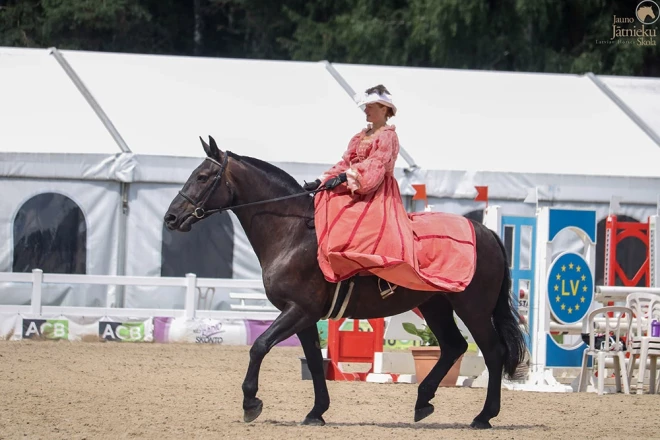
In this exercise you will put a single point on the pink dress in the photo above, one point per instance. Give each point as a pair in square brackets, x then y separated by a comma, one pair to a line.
[363, 228]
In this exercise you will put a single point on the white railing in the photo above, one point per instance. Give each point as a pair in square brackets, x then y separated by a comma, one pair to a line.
[191, 283]
[243, 297]
[604, 294]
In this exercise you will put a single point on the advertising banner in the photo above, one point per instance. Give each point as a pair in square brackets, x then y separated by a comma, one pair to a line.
[75, 328]
[200, 331]
[45, 328]
[8, 326]
[126, 329]
[256, 328]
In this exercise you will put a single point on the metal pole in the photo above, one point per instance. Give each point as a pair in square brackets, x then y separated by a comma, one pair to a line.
[37, 281]
[191, 289]
[90, 99]
[347, 87]
[627, 110]
[119, 297]
[654, 248]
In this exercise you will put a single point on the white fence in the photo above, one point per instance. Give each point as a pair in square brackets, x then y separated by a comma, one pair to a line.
[193, 286]
[191, 283]
[620, 293]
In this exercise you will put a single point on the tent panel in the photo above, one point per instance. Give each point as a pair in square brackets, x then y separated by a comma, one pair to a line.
[272, 110]
[117, 167]
[510, 122]
[145, 243]
[99, 205]
[551, 187]
[42, 110]
[642, 95]
[171, 169]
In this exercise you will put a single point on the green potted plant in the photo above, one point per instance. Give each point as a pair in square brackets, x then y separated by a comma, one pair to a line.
[427, 355]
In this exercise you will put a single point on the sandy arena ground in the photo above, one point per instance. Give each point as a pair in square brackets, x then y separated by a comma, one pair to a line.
[53, 390]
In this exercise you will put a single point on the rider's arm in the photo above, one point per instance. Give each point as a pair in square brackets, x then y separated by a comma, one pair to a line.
[366, 176]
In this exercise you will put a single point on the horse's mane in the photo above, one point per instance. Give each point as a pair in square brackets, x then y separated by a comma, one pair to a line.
[273, 172]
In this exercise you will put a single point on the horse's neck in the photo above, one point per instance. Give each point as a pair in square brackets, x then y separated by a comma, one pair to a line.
[274, 227]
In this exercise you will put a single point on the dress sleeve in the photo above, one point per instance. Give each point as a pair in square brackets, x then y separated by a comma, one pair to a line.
[370, 172]
[345, 162]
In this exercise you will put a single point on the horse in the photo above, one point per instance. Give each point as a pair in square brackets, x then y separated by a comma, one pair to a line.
[644, 12]
[277, 215]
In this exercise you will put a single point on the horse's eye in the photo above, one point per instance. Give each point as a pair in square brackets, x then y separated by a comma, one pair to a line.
[202, 178]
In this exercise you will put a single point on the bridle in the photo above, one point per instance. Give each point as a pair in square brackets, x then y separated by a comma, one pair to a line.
[200, 212]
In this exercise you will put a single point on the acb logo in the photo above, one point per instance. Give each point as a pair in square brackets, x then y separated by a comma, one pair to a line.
[121, 331]
[45, 329]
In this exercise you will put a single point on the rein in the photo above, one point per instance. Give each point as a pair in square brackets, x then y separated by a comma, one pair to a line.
[200, 212]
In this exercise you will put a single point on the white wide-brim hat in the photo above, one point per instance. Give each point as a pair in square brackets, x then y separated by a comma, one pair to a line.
[363, 99]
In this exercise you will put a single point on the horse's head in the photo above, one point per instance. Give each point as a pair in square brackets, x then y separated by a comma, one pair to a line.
[207, 189]
[644, 12]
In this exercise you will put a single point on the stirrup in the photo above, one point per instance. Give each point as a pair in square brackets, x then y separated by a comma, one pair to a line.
[386, 293]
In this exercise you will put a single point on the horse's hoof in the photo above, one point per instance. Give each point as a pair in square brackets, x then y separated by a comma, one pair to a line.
[252, 413]
[423, 413]
[476, 424]
[312, 421]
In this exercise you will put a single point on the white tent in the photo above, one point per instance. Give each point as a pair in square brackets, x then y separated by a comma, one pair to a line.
[640, 95]
[123, 154]
[52, 142]
[276, 111]
[512, 125]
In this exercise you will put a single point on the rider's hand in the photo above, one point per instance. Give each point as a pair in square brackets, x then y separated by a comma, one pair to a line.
[336, 181]
[311, 186]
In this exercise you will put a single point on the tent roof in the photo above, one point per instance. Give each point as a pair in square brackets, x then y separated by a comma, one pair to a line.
[510, 122]
[462, 127]
[272, 110]
[642, 95]
[42, 111]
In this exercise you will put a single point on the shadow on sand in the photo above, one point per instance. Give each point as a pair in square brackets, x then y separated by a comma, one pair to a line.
[413, 425]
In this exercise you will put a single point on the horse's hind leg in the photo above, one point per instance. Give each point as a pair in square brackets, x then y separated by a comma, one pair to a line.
[439, 316]
[482, 330]
[309, 338]
[292, 320]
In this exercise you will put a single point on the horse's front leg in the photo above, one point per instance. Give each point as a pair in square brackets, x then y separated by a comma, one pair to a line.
[309, 338]
[292, 320]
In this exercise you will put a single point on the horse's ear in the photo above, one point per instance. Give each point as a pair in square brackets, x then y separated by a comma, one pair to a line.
[207, 148]
[213, 147]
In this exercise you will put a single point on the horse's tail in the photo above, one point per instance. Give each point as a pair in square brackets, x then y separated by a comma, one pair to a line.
[507, 323]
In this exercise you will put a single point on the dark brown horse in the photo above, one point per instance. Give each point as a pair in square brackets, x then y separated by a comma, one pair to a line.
[285, 243]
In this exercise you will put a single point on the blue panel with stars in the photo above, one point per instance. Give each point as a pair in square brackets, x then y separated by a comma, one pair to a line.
[570, 288]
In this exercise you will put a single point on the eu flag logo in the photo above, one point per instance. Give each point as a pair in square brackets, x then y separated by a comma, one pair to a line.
[570, 288]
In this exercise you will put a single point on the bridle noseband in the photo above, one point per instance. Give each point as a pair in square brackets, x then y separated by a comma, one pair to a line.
[200, 212]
